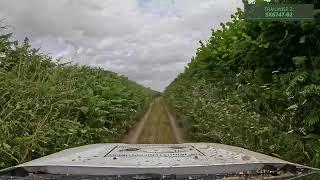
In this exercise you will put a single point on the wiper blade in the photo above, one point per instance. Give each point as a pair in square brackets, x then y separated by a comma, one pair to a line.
[159, 177]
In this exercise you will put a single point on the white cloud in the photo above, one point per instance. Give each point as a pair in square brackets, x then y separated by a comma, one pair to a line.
[150, 41]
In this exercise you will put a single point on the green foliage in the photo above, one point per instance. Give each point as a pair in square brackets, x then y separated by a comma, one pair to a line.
[46, 107]
[255, 85]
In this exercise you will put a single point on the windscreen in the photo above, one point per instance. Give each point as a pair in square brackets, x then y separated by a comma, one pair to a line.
[243, 73]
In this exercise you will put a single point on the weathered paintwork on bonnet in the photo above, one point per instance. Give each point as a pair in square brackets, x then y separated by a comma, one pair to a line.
[120, 159]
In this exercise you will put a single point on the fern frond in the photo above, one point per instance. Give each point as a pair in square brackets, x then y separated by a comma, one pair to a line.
[299, 79]
[312, 119]
[311, 90]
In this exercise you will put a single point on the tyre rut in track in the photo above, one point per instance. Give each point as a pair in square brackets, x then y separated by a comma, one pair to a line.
[156, 127]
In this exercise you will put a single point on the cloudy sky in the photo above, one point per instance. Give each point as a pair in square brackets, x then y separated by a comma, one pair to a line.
[150, 41]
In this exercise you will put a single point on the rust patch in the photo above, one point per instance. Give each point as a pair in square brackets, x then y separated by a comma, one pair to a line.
[245, 158]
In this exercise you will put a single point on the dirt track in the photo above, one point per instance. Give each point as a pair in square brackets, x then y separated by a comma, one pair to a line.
[156, 127]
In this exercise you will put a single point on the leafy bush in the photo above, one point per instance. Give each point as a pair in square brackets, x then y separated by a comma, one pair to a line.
[256, 85]
[46, 107]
